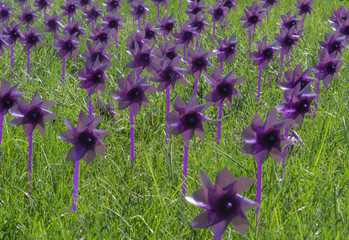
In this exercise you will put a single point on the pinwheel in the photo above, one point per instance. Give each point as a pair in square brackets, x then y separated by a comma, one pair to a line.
[69, 9]
[28, 16]
[139, 10]
[113, 22]
[268, 4]
[43, 5]
[92, 14]
[166, 25]
[52, 23]
[219, 13]
[5, 12]
[226, 50]
[304, 8]
[11, 35]
[113, 5]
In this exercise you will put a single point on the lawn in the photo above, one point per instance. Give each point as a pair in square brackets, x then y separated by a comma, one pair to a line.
[116, 203]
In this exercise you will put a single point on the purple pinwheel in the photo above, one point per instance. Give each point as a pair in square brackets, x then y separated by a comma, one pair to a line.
[286, 40]
[87, 143]
[166, 25]
[167, 75]
[92, 14]
[252, 18]
[224, 90]
[262, 139]
[149, 33]
[289, 21]
[67, 47]
[185, 36]
[187, 120]
[226, 50]
[261, 58]
[198, 62]
[297, 76]
[69, 9]
[113, 22]
[11, 34]
[43, 5]
[30, 39]
[85, 3]
[168, 51]
[21, 2]
[219, 13]
[8, 99]
[31, 116]
[268, 4]
[230, 4]
[75, 27]
[340, 14]
[97, 52]
[142, 58]
[2, 42]
[195, 7]
[223, 203]
[136, 38]
[132, 94]
[199, 24]
[52, 24]
[5, 12]
[139, 10]
[334, 43]
[304, 8]
[100, 36]
[344, 28]
[106, 110]
[162, 2]
[113, 5]
[28, 16]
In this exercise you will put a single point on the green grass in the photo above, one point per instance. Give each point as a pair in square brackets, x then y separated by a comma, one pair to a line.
[311, 203]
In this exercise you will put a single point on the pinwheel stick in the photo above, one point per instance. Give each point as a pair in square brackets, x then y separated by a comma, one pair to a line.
[165, 38]
[317, 93]
[139, 22]
[267, 16]
[259, 82]
[90, 108]
[221, 64]
[28, 64]
[219, 125]
[132, 132]
[159, 12]
[281, 64]
[197, 43]
[63, 72]
[1, 127]
[167, 110]
[76, 181]
[288, 59]
[284, 154]
[12, 59]
[185, 168]
[259, 184]
[249, 41]
[197, 75]
[214, 32]
[30, 156]
[303, 18]
[116, 41]
[180, 4]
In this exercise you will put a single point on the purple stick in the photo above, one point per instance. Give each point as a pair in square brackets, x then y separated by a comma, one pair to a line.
[219, 126]
[30, 156]
[167, 110]
[1, 127]
[12, 60]
[74, 58]
[180, 4]
[116, 41]
[139, 22]
[267, 16]
[197, 75]
[185, 169]
[44, 12]
[69, 19]
[259, 185]
[288, 59]
[76, 182]
[28, 64]
[139, 74]
[317, 93]
[249, 41]
[93, 25]
[90, 108]
[63, 72]
[221, 64]
[214, 32]
[132, 135]
[303, 17]
[254, 32]
[284, 154]
[164, 37]
[159, 12]
[197, 43]
[281, 64]
[259, 82]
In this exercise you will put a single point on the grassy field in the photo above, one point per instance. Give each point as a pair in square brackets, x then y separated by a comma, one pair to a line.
[311, 202]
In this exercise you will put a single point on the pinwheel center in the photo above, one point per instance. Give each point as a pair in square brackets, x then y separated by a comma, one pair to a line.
[98, 55]
[253, 19]
[331, 68]
[303, 106]
[68, 46]
[52, 23]
[135, 94]
[71, 8]
[230, 49]
[144, 59]
[267, 53]
[94, 14]
[75, 30]
[224, 89]
[29, 17]
[187, 36]
[34, 115]
[169, 27]
[227, 204]
[303, 84]
[113, 23]
[43, 3]
[87, 139]
[140, 10]
[218, 13]
[32, 39]
[97, 77]
[84, 2]
[228, 4]
[149, 34]
[270, 2]
[14, 34]
[171, 55]
[199, 62]
[196, 10]
[269, 139]
[191, 120]
[114, 4]
[4, 13]
[346, 31]
[7, 101]
[335, 46]
[169, 74]
[305, 9]
[290, 24]
[103, 37]
[198, 24]
[288, 41]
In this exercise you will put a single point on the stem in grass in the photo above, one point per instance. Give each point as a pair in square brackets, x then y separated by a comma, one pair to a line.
[12, 60]
[281, 64]
[267, 16]
[28, 64]
[1, 127]
[185, 168]
[249, 41]
[167, 110]
[164, 37]
[159, 12]
[197, 75]
[90, 108]
[180, 4]
[284, 154]
[259, 184]
[221, 63]
[63, 72]
[219, 125]
[214, 32]
[259, 82]
[30, 156]
[132, 132]
[197, 43]
[76, 180]
[303, 18]
[139, 22]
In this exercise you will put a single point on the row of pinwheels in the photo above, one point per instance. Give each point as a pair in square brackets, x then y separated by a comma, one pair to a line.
[164, 67]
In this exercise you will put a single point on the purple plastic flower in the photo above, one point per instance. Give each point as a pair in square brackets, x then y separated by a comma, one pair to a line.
[2, 42]
[32, 115]
[223, 203]
[344, 28]
[253, 16]
[289, 21]
[66, 46]
[195, 8]
[224, 88]
[334, 43]
[149, 33]
[139, 9]
[328, 67]
[113, 22]
[264, 138]
[85, 3]
[167, 24]
[69, 8]
[100, 36]
[52, 24]
[93, 13]
[162, 2]
[297, 104]
[218, 12]
[136, 38]
[92, 76]
[198, 23]
[185, 36]
[187, 119]
[86, 140]
[286, 40]
[133, 93]
[264, 54]
[142, 57]
[113, 5]
[97, 52]
[8, 96]
[12, 33]
[5, 12]
[227, 49]
[340, 14]
[304, 7]
[296, 76]
[31, 38]
[75, 27]
[230, 4]
[168, 74]
[43, 4]
[168, 51]
[28, 16]
[270, 3]
[22, 2]
[107, 110]
[198, 61]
